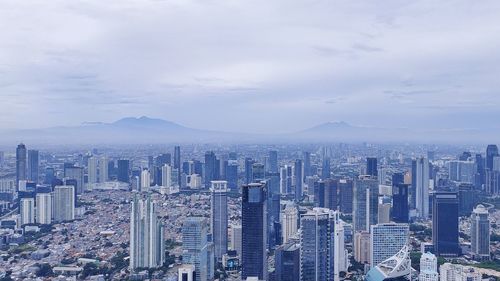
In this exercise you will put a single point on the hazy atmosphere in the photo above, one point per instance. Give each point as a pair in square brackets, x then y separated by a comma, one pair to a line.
[258, 66]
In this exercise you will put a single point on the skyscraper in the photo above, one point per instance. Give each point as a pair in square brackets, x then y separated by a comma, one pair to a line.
[92, 167]
[362, 247]
[400, 210]
[273, 161]
[480, 233]
[145, 180]
[212, 168]
[422, 188]
[232, 175]
[387, 239]
[103, 169]
[195, 246]
[27, 210]
[20, 163]
[288, 262]
[166, 176]
[248, 170]
[306, 155]
[491, 152]
[445, 223]
[289, 220]
[75, 173]
[177, 161]
[44, 208]
[123, 174]
[33, 165]
[64, 203]
[254, 228]
[365, 203]
[219, 218]
[147, 247]
[325, 170]
[371, 166]
[297, 171]
[346, 195]
[320, 245]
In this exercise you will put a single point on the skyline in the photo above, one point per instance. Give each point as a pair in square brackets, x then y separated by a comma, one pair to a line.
[264, 67]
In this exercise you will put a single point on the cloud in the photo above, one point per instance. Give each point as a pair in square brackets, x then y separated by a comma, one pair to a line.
[267, 64]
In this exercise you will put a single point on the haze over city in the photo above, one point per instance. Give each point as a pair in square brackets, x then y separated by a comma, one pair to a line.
[255, 67]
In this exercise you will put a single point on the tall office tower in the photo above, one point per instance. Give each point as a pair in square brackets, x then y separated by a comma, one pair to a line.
[422, 188]
[236, 236]
[273, 161]
[492, 184]
[287, 262]
[384, 213]
[27, 210]
[283, 180]
[307, 163]
[466, 199]
[480, 233]
[211, 168]
[33, 165]
[371, 166]
[479, 161]
[2, 158]
[362, 247]
[195, 246]
[64, 203]
[365, 203]
[413, 191]
[458, 272]
[219, 217]
[387, 239]
[49, 175]
[43, 208]
[297, 171]
[491, 152]
[145, 180]
[177, 161]
[462, 171]
[254, 227]
[20, 163]
[186, 272]
[445, 224]
[248, 170]
[289, 219]
[232, 175]
[346, 195]
[326, 194]
[123, 174]
[75, 173]
[398, 178]
[258, 172]
[147, 246]
[320, 245]
[92, 166]
[166, 176]
[400, 210]
[103, 169]
[325, 169]
[428, 268]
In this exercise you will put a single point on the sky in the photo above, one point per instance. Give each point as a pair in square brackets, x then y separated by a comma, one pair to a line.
[256, 66]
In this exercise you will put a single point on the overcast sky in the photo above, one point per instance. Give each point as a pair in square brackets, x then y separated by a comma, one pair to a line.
[258, 66]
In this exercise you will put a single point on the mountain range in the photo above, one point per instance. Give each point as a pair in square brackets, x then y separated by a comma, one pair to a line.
[145, 130]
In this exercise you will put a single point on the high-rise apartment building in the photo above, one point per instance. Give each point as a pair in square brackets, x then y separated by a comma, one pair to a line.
[147, 246]
[44, 208]
[64, 203]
